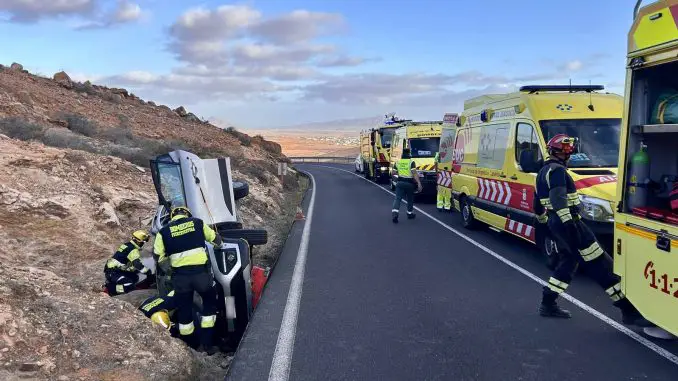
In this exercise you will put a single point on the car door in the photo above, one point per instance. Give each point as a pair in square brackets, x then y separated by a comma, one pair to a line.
[522, 181]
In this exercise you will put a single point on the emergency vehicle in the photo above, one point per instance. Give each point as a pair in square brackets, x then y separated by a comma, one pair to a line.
[446, 151]
[646, 228]
[501, 146]
[423, 140]
[375, 148]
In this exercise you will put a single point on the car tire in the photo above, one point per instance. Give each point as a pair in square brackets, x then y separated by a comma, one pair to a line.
[252, 236]
[240, 189]
[467, 219]
[549, 250]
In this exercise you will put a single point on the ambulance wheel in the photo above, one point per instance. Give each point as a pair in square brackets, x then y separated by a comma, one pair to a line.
[550, 251]
[467, 218]
[252, 236]
[240, 189]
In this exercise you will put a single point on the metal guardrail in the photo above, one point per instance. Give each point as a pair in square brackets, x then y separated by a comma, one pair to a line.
[323, 159]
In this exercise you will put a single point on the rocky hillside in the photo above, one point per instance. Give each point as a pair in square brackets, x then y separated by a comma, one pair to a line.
[73, 185]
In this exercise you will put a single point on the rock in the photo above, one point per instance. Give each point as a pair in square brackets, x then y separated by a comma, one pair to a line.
[17, 67]
[110, 218]
[140, 169]
[121, 92]
[191, 117]
[151, 103]
[43, 349]
[30, 367]
[181, 111]
[63, 79]
[25, 98]
[116, 98]
[63, 378]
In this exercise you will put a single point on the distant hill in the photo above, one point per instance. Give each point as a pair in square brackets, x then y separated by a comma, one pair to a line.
[352, 124]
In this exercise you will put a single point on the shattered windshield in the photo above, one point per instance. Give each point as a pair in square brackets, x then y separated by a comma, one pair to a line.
[424, 147]
[171, 185]
[597, 140]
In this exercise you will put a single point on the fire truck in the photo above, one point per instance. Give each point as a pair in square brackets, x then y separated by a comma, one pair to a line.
[375, 148]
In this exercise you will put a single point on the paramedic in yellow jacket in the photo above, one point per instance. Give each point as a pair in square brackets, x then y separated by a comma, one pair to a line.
[444, 193]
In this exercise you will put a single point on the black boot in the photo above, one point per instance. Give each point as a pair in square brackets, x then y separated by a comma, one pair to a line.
[395, 218]
[630, 315]
[411, 216]
[553, 310]
[549, 307]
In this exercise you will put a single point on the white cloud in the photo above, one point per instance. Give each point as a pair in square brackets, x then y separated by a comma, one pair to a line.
[298, 26]
[200, 24]
[35, 10]
[125, 12]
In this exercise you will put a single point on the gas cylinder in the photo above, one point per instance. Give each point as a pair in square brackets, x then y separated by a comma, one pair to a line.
[638, 178]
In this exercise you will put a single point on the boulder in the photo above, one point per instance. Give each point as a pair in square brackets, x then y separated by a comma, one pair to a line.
[109, 217]
[181, 111]
[191, 117]
[151, 103]
[121, 92]
[17, 67]
[63, 79]
[25, 98]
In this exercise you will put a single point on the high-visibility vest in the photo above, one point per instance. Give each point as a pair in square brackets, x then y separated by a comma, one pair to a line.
[404, 167]
[184, 241]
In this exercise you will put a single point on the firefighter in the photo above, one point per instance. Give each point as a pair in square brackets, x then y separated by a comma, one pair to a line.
[158, 308]
[123, 268]
[405, 187]
[557, 205]
[444, 197]
[182, 241]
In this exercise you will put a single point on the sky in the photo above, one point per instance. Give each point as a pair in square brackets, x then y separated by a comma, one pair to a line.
[270, 63]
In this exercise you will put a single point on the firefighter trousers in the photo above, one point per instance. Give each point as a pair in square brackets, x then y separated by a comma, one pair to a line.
[184, 287]
[120, 282]
[574, 251]
[404, 189]
[444, 198]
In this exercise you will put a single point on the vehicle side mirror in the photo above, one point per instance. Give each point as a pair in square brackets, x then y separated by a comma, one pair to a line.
[528, 161]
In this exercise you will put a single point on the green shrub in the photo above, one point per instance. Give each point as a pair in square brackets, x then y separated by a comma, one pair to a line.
[62, 140]
[20, 129]
[117, 135]
[81, 125]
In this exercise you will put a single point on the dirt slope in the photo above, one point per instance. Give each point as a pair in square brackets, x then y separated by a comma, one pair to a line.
[67, 201]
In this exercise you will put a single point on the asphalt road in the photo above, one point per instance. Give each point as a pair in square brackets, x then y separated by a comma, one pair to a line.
[415, 301]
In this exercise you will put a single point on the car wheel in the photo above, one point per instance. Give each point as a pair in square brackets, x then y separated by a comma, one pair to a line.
[252, 236]
[467, 218]
[549, 249]
[240, 189]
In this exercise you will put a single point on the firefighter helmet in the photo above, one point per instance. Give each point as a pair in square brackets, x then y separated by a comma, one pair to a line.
[180, 210]
[162, 319]
[140, 236]
[561, 143]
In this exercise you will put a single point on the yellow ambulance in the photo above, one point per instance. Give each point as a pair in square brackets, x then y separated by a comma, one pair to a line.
[502, 142]
[423, 140]
[646, 228]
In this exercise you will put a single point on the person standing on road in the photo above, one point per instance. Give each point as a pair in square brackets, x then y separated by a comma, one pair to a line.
[123, 268]
[444, 197]
[182, 240]
[405, 187]
[557, 205]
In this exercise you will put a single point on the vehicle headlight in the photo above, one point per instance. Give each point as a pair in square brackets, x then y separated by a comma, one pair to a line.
[384, 168]
[596, 209]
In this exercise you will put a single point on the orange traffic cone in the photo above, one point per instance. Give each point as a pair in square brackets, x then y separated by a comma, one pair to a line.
[300, 215]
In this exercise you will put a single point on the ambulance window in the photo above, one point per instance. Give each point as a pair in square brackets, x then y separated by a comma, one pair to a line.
[492, 145]
[527, 139]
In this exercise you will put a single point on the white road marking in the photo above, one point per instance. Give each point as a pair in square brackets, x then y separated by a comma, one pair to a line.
[640, 339]
[284, 348]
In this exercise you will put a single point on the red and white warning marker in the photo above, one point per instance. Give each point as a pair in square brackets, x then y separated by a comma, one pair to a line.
[521, 229]
[495, 191]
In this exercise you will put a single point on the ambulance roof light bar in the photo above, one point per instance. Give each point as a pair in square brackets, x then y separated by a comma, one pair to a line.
[569, 88]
